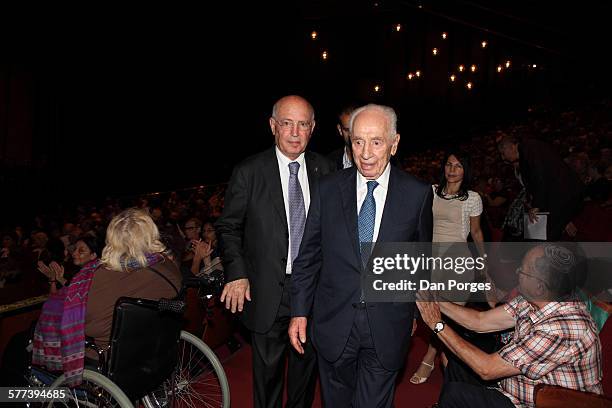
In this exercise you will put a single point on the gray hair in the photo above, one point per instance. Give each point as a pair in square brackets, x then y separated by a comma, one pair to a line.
[389, 113]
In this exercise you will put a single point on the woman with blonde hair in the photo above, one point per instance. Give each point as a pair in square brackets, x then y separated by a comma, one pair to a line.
[133, 264]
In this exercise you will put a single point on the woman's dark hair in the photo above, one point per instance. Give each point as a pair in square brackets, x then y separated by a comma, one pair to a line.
[210, 220]
[92, 243]
[465, 161]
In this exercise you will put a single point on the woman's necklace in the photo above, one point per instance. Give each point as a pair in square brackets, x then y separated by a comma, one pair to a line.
[449, 196]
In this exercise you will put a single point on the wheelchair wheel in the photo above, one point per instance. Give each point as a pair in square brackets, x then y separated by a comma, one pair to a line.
[197, 381]
[95, 391]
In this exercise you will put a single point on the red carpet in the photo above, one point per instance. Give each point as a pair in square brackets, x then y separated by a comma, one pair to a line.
[238, 370]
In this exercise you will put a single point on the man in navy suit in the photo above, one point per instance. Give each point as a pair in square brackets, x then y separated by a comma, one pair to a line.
[361, 345]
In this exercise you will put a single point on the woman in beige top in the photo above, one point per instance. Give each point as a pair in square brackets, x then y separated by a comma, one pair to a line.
[456, 214]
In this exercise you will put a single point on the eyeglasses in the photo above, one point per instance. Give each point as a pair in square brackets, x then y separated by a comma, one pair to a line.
[289, 124]
[519, 271]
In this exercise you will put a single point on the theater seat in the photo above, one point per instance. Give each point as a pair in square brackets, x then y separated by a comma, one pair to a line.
[548, 396]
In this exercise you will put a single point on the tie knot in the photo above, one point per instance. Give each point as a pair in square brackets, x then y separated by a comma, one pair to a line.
[372, 184]
[294, 167]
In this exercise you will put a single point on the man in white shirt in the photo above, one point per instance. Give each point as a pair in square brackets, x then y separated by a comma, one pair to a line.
[260, 232]
[343, 157]
[360, 345]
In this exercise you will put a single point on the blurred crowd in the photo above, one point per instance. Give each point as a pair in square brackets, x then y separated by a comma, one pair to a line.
[582, 136]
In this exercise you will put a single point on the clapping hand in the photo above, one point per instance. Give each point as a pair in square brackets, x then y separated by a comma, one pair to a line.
[202, 249]
[53, 271]
[46, 270]
[58, 271]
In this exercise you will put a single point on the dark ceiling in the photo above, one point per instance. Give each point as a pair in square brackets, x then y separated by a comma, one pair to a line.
[186, 92]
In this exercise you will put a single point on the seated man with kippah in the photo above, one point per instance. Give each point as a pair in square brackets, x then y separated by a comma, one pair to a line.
[555, 340]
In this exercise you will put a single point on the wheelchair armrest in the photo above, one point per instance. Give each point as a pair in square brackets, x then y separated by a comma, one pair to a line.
[101, 365]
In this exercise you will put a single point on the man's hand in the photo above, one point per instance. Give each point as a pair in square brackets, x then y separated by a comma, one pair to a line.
[297, 333]
[533, 217]
[234, 293]
[430, 313]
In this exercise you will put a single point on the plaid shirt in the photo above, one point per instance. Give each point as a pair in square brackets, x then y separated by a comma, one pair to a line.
[556, 345]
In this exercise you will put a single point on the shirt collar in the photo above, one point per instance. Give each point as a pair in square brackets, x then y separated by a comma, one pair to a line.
[383, 179]
[284, 160]
[346, 162]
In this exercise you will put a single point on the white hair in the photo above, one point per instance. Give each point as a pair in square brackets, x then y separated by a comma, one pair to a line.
[388, 111]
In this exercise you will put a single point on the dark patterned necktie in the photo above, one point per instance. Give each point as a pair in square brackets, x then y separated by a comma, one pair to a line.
[297, 210]
[367, 219]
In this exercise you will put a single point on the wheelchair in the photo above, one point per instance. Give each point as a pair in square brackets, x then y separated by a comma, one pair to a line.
[150, 360]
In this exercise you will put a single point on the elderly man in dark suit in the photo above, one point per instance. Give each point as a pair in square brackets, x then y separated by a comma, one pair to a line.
[551, 184]
[260, 231]
[360, 345]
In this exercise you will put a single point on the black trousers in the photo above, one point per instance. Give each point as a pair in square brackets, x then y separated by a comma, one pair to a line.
[270, 352]
[462, 386]
[357, 379]
[456, 370]
[463, 395]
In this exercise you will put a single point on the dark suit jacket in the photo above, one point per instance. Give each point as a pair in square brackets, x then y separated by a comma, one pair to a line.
[336, 157]
[254, 235]
[326, 273]
[553, 185]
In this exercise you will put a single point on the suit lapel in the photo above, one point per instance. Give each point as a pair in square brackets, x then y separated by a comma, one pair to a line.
[312, 167]
[348, 191]
[275, 188]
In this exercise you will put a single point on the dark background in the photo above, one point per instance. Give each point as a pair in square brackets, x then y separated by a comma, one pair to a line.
[117, 101]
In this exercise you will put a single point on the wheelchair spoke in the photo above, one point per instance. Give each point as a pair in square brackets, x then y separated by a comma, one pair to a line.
[195, 382]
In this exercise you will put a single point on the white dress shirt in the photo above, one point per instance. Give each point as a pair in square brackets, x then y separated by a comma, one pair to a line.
[380, 195]
[283, 167]
[346, 161]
